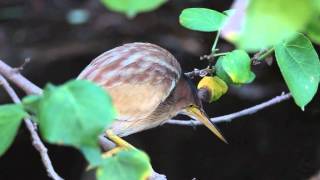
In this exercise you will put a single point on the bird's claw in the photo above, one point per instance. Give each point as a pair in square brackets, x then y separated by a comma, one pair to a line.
[118, 140]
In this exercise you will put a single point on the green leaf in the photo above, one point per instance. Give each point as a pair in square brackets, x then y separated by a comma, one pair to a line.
[269, 22]
[202, 19]
[235, 67]
[75, 114]
[31, 103]
[313, 29]
[93, 155]
[316, 4]
[300, 67]
[124, 165]
[132, 7]
[10, 120]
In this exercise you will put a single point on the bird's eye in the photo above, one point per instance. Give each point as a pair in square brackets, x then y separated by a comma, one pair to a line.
[191, 106]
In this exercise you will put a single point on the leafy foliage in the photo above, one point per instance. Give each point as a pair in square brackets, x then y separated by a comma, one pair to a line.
[316, 4]
[235, 67]
[10, 120]
[255, 25]
[300, 67]
[132, 7]
[269, 22]
[124, 165]
[202, 19]
[313, 29]
[75, 114]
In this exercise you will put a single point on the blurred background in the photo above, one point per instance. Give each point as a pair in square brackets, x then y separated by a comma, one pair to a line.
[62, 36]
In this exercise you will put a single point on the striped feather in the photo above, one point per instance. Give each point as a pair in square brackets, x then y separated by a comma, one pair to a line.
[138, 76]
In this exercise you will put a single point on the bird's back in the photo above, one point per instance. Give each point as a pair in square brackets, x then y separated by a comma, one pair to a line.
[139, 77]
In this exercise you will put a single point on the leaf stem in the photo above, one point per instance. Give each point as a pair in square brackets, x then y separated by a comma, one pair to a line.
[266, 54]
[220, 54]
[213, 49]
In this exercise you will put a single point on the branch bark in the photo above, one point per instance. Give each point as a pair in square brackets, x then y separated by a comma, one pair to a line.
[230, 117]
[198, 72]
[30, 88]
[36, 141]
[14, 76]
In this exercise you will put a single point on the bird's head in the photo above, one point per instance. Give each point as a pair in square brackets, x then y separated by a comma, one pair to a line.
[190, 104]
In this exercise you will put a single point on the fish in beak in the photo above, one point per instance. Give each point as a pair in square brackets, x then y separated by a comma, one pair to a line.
[199, 114]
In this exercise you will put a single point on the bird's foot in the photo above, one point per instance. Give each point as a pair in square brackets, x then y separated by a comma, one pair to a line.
[118, 140]
[121, 144]
[112, 152]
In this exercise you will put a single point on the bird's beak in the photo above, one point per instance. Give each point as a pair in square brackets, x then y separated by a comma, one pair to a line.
[200, 115]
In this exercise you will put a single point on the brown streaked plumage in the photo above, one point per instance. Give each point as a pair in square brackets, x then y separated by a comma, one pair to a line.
[146, 86]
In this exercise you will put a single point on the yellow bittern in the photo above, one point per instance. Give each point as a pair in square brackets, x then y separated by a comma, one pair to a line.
[147, 87]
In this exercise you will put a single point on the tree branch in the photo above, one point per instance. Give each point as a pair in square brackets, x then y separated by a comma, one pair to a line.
[30, 88]
[230, 117]
[36, 141]
[14, 76]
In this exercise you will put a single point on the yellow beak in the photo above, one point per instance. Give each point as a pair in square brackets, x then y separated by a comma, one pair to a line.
[201, 116]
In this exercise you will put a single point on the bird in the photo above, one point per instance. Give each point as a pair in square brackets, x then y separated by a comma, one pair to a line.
[147, 88]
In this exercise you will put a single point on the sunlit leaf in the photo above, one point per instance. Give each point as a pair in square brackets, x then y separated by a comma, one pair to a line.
[266, 23]
[300, 67]
[202, 19]
[125, 165]
[235, 67]
[132, 7]
[216, 86]
[316, 3]
[10, 120]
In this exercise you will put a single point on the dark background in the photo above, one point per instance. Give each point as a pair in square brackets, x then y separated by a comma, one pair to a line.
[278, 143]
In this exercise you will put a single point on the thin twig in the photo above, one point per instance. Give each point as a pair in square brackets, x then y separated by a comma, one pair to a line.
[19, 80]
[266, 54]
[200, 73]
[20, 68]
[230, 117]
[214, 46]
[36, 141]
[220, 54]
[256, 59]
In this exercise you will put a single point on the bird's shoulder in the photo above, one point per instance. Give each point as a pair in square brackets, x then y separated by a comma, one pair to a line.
[138, 76]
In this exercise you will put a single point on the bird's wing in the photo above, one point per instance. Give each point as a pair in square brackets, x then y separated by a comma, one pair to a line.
[138, 76]
[137, 101]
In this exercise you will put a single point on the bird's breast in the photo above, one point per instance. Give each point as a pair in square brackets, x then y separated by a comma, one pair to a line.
[163, 112]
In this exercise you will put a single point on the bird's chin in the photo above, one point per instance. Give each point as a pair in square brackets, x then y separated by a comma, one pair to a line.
[186, 113]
